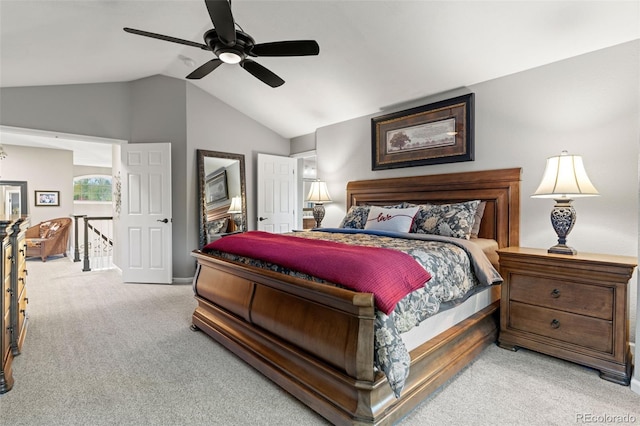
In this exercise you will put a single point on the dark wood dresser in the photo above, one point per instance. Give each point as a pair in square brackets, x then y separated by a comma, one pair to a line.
[570, 307]
[13, 273]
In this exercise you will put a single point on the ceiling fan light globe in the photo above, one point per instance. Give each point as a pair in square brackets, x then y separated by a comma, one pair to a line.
[229, 57]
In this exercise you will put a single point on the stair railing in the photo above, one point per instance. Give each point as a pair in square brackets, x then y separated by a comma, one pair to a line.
[98, 242]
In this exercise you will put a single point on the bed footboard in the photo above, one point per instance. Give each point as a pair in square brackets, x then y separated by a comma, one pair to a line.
[316, 341]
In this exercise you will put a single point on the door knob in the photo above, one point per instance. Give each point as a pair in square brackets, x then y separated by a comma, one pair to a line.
[165, 220]
[262, 218]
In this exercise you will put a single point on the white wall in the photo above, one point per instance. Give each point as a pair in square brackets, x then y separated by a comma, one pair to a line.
[44, 170]
[91, 170]
[587, 105]
[158, 114]
[153, 109]
[303, 143]
[214, 125]
[81, 109]
[635, 380]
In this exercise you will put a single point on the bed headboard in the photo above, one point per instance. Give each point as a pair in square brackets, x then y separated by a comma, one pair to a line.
[221, 213]
[499, 188]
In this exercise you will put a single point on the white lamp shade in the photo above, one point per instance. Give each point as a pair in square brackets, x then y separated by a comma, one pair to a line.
[318, 193]
[236, 205]
[565, 177]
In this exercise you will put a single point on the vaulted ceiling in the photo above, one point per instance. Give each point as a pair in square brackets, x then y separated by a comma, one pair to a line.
[373, 54]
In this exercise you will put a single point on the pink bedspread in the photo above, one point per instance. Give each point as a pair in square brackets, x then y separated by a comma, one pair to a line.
[389, 274]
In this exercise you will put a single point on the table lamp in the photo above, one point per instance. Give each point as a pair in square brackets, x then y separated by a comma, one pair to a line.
[564, 178]
[318, 194]
[235, 209]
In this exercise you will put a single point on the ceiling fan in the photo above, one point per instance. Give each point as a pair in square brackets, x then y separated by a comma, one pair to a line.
[233, 46]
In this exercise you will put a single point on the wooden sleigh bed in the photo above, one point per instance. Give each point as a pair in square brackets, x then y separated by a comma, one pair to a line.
[317, 341]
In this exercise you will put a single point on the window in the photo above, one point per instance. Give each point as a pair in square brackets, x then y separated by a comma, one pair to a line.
[92, 188]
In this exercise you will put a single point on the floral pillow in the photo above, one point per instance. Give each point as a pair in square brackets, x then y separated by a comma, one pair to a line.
[390, 219]
[449, 220]
[44, 229]
[217, 226]
[356, 217]
[53, 229]
[477, 219]
[48, 229]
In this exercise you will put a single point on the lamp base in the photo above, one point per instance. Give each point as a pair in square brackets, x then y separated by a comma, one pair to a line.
[237, 219]
[563, 217]
[318, 214]
[562, 249]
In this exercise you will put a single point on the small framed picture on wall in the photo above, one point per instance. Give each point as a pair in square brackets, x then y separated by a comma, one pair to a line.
[47, 198]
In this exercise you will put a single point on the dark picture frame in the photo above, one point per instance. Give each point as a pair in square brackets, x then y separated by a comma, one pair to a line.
[216, 189]
[437, 133]
[47, 198]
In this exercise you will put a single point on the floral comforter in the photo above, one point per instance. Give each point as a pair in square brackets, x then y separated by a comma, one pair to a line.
[457, 266]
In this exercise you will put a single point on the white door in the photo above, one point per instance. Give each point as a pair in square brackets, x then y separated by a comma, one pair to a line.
[12, 202]
[145, 219]
[277, 198]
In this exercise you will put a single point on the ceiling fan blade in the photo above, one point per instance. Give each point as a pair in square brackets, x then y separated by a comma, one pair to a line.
[222, 18]
[287, 48]
[167, 38]
[261, 73]
[204, 69]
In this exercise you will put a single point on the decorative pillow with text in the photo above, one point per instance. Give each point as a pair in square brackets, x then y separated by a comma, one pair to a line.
[356, 217]
[390, 219]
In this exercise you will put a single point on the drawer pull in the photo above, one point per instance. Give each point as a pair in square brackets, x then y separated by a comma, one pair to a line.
[555, 324]
[555, 293]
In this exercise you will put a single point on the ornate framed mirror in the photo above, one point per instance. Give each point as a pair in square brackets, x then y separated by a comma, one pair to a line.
[222, 194]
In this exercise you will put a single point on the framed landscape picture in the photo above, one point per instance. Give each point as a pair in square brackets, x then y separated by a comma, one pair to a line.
[437, 133]
[216, 188]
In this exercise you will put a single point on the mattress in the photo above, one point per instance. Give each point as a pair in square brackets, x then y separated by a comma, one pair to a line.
[447, 318]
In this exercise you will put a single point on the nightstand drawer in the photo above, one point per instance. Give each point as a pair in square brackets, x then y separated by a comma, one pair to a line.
[580, 330]
[580, 299]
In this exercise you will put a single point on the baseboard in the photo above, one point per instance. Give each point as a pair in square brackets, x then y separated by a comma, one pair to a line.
[174, 280]
[187, 280]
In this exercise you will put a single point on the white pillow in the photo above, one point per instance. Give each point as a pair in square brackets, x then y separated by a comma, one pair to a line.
[384, 219]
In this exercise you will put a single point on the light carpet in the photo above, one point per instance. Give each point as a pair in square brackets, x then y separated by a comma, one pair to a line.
[101, 352]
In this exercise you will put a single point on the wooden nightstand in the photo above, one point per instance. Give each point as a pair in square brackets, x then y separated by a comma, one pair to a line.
[570, 307]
